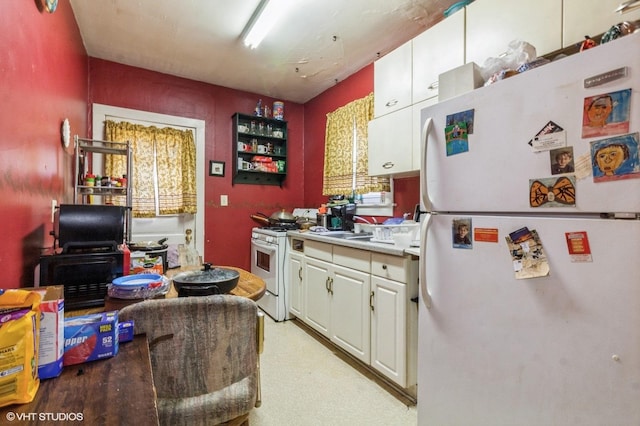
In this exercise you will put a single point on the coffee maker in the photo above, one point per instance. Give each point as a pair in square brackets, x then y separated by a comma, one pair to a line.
[342, 217]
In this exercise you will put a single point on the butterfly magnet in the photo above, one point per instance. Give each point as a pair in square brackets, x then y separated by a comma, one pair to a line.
[552, 192]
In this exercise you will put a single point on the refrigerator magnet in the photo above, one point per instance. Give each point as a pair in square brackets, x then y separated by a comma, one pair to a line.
[606, 114]
[552, 192]
[615, 158]
[527, 254]
[545, 137]
[561, 160]
[486, 235]
[578, 245]
[456, 138]
[462, 117]
[460, 233]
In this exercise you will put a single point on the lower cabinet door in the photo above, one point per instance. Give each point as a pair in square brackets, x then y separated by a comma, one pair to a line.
[389, 329]
[296, 288]
[317, 296]
[350, 311]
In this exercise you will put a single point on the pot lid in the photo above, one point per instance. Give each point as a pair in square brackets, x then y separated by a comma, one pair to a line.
[210, 275]
[282, 215]
[148, 245]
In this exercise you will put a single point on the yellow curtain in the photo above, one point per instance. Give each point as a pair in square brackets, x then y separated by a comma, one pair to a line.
[338, 150]
[168, 151]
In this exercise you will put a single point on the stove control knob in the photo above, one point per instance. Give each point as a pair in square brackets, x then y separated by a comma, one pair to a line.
[270, 239]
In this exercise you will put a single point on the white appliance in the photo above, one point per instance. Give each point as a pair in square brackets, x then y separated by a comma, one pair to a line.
[562, 348]
[268, 261]
[268, 256]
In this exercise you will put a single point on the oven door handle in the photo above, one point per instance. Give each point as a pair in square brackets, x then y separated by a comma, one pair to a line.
[266, 246]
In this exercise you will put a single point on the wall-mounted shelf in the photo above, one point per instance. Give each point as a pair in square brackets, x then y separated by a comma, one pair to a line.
[259, 150]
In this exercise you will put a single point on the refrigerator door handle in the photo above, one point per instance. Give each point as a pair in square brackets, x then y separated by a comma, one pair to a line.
[424, 192]
[424, 290]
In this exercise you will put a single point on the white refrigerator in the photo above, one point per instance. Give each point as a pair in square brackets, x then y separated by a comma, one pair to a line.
[533, 316]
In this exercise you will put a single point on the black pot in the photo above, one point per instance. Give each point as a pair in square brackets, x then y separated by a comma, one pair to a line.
[208, 281]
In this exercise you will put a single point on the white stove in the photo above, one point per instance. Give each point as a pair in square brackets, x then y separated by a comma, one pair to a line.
[268, 261]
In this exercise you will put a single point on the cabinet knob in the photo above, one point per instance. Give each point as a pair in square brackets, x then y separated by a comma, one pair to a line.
[391, 103]
[384, 267]
[388, 165]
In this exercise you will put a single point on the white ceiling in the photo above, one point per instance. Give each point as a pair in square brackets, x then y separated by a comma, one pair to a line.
[299, 59]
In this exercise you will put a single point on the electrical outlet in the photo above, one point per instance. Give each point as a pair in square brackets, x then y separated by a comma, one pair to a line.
[54, 204]
[224, 200]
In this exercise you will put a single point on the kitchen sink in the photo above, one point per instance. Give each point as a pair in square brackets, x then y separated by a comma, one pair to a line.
[346, 235]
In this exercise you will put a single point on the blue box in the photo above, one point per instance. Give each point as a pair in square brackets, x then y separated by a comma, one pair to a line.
[90, 337]
[125, 331]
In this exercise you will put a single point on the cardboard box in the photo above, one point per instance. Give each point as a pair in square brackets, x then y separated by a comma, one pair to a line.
[146, 263]
[459, 80]
[90, 337]
[125, 331]
[51, 346]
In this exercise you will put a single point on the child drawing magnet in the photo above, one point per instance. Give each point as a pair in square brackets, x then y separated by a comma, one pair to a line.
[552, 192]
[615, 158]
[606, 114]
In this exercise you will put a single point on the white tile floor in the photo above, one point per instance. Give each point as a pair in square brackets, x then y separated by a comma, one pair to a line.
[305, 384]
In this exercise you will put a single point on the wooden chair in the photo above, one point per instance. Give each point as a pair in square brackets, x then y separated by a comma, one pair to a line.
[204, 357]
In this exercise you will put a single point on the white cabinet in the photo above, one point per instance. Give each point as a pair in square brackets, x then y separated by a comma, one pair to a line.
[392, 81]
[388, 329]
[295, 269]
[337, 297]
[361, 301]
[394, 283]
[435, 51]
[493, 24]
[317, 311]
[350, 311]
[390, 144]
[395, 142]
[591, 17]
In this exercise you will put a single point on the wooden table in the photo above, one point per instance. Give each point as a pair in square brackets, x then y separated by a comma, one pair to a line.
[114, 391]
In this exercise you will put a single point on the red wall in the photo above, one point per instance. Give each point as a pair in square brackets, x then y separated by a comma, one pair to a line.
[227, 229]
[44, 79]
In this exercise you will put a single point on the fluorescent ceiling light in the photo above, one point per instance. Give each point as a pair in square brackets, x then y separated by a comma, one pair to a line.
[263, 19]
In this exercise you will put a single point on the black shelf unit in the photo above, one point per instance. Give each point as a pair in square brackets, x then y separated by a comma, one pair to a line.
[259, 150]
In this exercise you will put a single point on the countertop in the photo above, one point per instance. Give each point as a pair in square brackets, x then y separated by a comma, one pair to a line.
[385, 248]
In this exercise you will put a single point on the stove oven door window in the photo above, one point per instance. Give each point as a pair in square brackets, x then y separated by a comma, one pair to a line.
[264, 263]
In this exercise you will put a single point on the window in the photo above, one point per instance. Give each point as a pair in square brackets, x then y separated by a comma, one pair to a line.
[346, 158]
[164, 159]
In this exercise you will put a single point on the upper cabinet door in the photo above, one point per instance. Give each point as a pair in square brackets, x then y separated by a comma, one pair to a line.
[493, 24]
[591, 17]
[435, 51]
[392, 81]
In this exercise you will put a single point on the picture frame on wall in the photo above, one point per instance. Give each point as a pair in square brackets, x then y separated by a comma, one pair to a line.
[216, 168]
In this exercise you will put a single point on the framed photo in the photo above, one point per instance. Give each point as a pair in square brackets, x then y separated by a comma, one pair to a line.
[216, 168]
